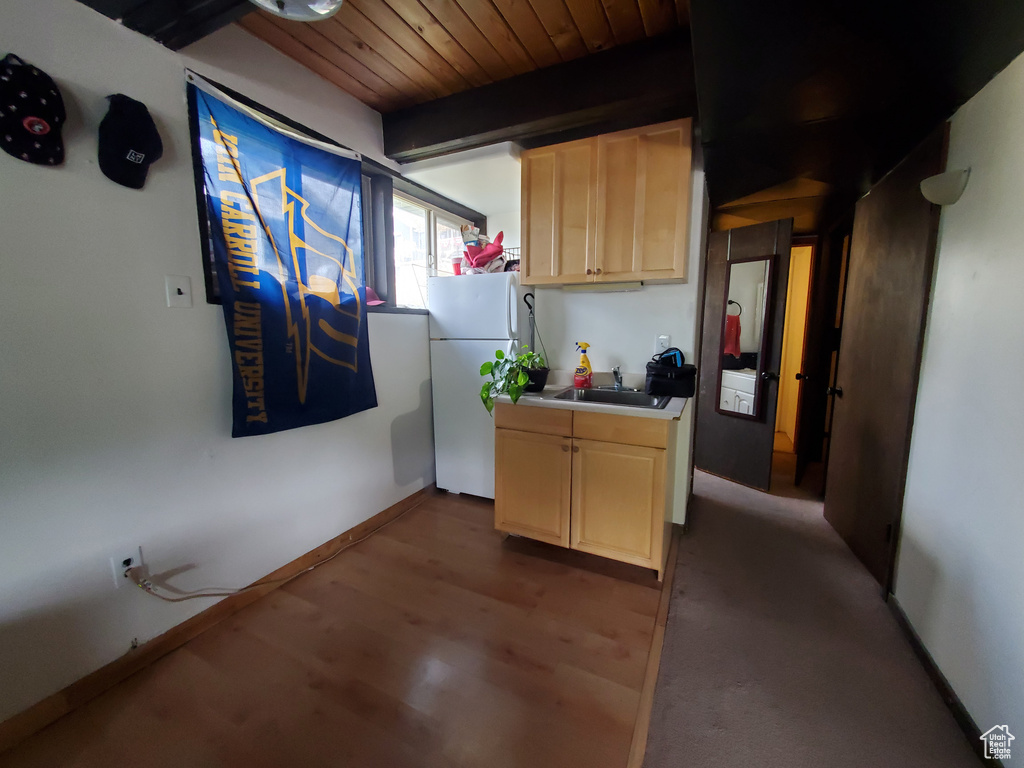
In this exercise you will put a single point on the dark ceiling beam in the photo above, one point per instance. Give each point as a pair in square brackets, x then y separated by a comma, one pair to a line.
[631, 85]
[199, 24]
[173, 23]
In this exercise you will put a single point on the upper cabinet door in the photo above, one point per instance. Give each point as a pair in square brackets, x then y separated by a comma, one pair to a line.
[643, 203]
[559, 207]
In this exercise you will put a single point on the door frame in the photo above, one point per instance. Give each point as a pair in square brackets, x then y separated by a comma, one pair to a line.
[804, 241]
[843, 234]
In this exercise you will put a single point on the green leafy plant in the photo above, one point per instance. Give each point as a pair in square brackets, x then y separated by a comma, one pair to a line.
[508, 375]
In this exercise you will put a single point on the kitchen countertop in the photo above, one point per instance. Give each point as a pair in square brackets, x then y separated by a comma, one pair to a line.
[558, 383]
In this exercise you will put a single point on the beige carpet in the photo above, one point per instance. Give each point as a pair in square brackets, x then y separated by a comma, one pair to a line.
[779, 650]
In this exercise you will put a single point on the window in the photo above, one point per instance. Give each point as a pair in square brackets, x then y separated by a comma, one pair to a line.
[412, 256]
[404, 224]
[449, 243]
[427, 239]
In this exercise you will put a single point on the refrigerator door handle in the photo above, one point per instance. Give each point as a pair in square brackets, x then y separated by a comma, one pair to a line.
[510, 294]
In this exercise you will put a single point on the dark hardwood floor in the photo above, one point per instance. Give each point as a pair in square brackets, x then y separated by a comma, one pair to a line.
[432, 643]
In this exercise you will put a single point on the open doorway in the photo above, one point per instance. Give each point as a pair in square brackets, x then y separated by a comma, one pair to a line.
[814, 322]
[794, 337]
[782, 436]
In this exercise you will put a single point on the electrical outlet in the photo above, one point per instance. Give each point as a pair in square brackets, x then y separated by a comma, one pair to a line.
[663, 342]
[129, 558]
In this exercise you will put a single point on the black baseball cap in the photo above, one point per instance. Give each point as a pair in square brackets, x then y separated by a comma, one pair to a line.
[31, 113]
[129, 142]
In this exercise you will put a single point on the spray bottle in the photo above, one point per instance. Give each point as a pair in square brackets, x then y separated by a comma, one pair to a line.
[584, 375]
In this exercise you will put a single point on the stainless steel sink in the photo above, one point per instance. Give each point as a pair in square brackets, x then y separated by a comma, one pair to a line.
[614, 397]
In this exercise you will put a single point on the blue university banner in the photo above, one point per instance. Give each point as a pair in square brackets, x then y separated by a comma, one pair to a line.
[286, 235]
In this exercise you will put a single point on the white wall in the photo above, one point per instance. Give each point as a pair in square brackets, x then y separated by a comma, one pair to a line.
[486, 179]
[509, 222]
[238, 60]
[960, 572]
[622, 327]
[115, 410]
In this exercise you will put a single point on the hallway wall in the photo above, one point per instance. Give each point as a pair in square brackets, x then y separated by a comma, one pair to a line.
[960, 568]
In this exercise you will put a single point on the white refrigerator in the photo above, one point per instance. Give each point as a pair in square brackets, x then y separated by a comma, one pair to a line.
[471, 316]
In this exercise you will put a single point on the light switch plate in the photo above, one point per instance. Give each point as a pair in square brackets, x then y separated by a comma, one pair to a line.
[662, 343]
[179, 291]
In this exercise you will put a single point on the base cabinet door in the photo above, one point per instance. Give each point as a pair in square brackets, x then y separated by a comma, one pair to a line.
[727, 398]
[618, 501]
[532, 485]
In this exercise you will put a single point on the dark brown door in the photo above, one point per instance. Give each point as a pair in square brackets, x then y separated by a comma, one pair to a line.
[725, 444]
[824, 321]
[888, 282]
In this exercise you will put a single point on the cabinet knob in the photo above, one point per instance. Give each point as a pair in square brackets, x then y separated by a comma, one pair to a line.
[565, 448]
[599, 270]
[575, 449]
[589, 271]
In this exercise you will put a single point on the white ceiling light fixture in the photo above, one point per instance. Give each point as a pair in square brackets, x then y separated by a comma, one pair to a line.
[945, 188]
[300, 10]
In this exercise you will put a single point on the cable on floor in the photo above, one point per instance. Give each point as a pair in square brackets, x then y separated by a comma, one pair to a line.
[138, 576]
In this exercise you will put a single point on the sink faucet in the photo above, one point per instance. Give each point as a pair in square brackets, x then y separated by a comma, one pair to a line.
[617, 375]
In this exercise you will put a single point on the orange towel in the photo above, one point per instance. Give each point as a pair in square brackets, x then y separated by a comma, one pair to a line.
[732, 336]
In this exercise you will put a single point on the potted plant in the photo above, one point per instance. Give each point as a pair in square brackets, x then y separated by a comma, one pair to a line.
[512, 375]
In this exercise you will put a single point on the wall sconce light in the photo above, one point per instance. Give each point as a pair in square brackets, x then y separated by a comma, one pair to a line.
[300, 10]
[945, 188]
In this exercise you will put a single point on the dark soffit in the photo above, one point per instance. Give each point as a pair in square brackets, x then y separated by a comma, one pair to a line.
[836, 92]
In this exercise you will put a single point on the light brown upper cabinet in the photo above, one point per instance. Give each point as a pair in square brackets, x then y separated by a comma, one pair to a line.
[612, 208]
[643, 203]
[559, 206]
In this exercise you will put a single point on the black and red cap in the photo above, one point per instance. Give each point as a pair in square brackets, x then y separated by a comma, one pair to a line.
[31, 113]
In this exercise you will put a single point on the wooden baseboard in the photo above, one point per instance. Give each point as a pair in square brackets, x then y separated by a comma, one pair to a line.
[638, 748]
[18, 728]
[963, 718]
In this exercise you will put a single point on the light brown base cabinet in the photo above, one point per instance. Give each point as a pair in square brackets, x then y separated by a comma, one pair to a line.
[595, 482]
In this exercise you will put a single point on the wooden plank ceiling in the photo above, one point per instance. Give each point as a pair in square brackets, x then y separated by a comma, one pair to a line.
[392, 54]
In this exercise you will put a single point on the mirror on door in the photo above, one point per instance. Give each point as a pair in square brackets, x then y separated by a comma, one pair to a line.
[744, 336]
